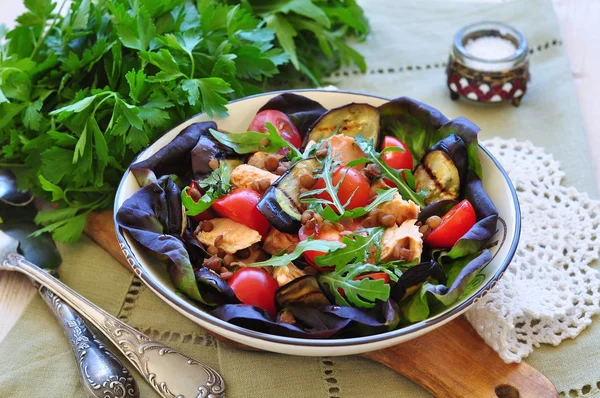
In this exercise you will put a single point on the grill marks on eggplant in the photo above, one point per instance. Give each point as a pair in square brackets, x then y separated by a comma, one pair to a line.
[281, 203]
[442, 170]
[351, 120]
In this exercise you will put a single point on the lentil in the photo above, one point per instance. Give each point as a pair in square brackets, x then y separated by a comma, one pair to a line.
[213, 163]
[271, 163]
[387, 220]
[307, 181]
[433, 222]
[207, 226]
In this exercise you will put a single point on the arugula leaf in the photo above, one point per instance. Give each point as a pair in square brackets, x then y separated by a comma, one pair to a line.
[357, 249]
[361, 293]
[310, 244]
[393, 175]
[250, 141]
[218, 184]
[329, 214]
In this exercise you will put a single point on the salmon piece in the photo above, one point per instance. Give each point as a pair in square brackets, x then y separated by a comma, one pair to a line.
[236, 236]
[244, 175]
[344, 149]
[407, 237]
[276, 241]
[401, 209]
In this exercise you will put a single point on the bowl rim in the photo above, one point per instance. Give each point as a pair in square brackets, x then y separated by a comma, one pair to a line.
[193, 312]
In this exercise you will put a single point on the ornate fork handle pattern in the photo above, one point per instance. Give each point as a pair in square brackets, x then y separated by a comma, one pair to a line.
[170, 373]
[103, 375]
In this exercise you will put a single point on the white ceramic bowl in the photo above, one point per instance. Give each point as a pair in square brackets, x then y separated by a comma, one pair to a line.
[152, 273]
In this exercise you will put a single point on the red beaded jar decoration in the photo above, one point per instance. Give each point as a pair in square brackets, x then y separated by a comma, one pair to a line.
[489, 63]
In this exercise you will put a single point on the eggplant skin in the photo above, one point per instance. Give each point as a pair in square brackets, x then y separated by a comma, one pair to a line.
[442, 170]
[351, 120]
[281, 204]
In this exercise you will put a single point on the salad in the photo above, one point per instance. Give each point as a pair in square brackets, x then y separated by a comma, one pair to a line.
[318, 223]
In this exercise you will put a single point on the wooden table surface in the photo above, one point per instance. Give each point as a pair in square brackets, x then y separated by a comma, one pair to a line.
[580, 28]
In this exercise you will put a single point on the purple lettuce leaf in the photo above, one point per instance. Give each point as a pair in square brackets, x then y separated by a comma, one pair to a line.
[413, 123]
[314, 322]
[153, 219]
[432, 298]
[173, 158]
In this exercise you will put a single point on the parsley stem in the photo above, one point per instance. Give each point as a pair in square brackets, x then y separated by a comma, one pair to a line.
[39, 43]
[193, 65]
[13, 165]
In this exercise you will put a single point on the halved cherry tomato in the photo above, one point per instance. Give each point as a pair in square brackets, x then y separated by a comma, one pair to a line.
[286, 129]
[353, 181]
[254, 286]
[396, 160]
[455, 223]
[331, 235]
[240, 206]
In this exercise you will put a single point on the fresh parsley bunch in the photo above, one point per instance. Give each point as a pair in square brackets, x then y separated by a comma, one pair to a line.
[83, 90]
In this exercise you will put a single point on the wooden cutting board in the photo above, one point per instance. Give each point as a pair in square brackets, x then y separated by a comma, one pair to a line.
[451, 361]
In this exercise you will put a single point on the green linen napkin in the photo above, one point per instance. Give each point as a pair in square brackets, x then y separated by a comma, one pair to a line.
[406, 53]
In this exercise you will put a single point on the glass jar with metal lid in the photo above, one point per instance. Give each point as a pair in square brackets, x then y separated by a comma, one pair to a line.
[489, 63]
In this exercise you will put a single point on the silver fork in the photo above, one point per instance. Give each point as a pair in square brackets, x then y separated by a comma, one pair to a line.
[169, 372]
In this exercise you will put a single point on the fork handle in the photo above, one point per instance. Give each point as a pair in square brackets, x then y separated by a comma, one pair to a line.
[169, 372]
[102, 374]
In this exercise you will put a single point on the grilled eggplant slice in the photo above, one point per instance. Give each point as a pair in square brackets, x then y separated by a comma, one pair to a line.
[442, 169]
[281, 204]
[413, 278]
[305, 290]
[350, 120]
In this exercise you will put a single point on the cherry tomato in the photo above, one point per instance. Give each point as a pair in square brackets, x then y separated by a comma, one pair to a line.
[396, 160]
[354, 181]
[286, 129]
[254, 286]
[240, 206]
[195, 193]
[331, 235]
[455, 223]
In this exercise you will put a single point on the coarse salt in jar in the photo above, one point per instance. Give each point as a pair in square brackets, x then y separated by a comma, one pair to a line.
[488, 63]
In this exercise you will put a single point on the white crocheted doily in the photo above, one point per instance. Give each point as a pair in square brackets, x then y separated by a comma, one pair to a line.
[549, 292]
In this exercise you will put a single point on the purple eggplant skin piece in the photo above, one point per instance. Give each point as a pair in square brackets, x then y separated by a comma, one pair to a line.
[302, 111]
[280, 204]
[414, 277]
